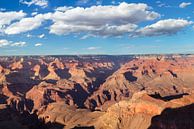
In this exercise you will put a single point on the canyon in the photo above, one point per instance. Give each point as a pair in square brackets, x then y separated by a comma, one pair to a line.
[97, 92]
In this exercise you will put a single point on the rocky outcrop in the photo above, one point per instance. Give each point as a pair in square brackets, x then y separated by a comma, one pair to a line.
[17, 64]
[69, 116]
[136, 113]
[52, 75]
[165, 78]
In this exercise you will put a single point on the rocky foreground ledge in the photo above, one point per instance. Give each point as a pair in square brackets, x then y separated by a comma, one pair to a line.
[101, 92]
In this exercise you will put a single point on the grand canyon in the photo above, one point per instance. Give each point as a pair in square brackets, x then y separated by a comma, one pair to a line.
[97, 92]
[96, 64]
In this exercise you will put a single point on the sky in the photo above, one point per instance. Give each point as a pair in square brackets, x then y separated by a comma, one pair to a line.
[113, 27]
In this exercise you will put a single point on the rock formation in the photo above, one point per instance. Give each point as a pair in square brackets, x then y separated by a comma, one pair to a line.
[101, 92]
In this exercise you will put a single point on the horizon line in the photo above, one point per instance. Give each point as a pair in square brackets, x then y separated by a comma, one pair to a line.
[135, 54]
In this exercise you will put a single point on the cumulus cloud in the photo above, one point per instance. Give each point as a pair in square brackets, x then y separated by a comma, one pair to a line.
[101, 20]
[41, 3]
[163, 27]
[25, 24]
[184, 4]
[112, 20]
[116, 30]
[7, 18]
[38, 44]
[4, 43]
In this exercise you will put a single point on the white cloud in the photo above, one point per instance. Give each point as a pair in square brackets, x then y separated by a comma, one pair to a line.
[5, 43]
[116, 30]
[163, 27]
[7, 18]
[18, 44]
[34, 13]
[184, 4]
[101, 20]
[41, 3]
[25, 24]
[92, 48]
[41, 36]
[38, 44]
[63, 9]
[112, 20]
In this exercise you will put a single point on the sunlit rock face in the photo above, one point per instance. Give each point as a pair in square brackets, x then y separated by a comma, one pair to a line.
[102, 92]
[162, 78]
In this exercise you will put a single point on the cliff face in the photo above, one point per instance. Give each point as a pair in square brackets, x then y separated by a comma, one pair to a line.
[135, 113]
[162, 78]
[98, 91]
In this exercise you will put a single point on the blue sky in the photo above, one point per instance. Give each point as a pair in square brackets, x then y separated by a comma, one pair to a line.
[52, 27]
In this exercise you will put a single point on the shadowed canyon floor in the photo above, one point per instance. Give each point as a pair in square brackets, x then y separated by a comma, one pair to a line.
[97, 92]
